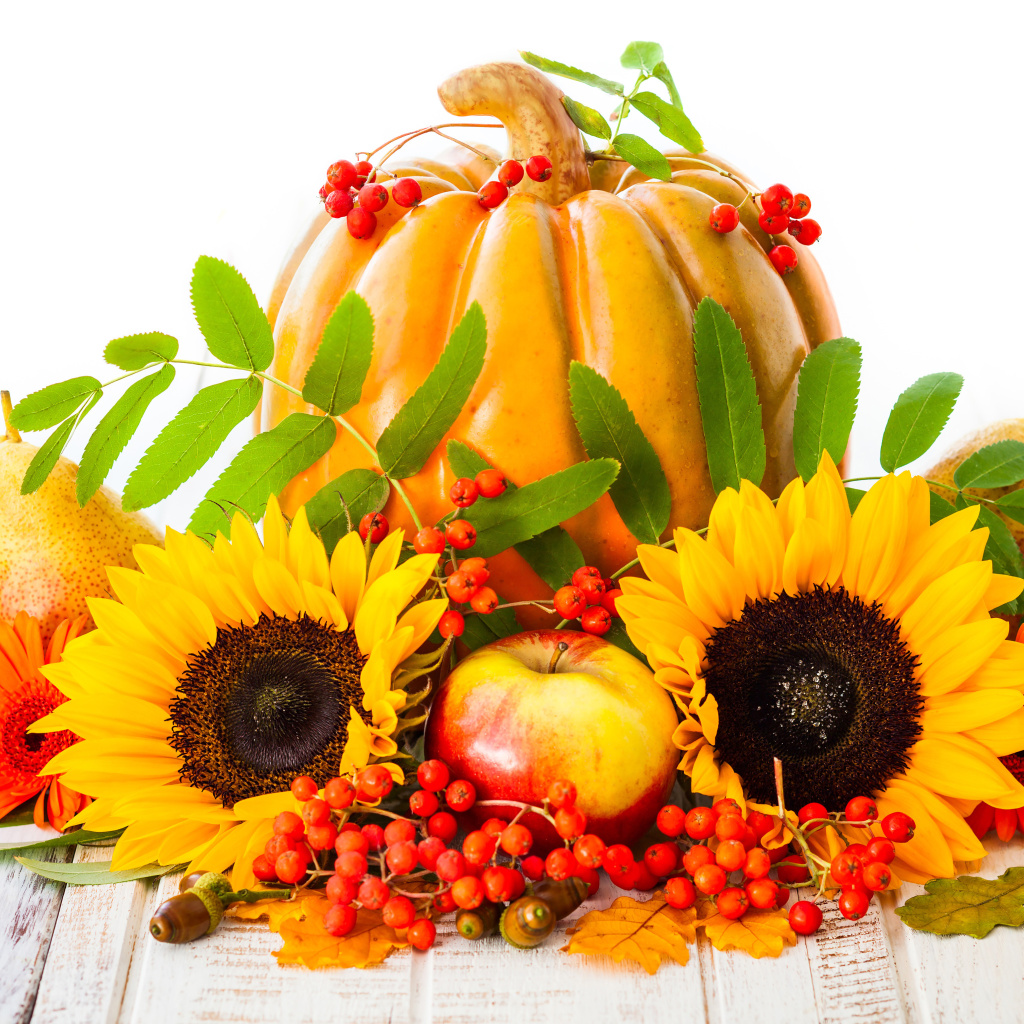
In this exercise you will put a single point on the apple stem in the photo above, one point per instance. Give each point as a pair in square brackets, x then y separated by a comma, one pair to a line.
[558, 652]
[12, 430]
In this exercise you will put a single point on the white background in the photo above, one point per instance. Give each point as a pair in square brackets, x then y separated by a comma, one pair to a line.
[138, 136]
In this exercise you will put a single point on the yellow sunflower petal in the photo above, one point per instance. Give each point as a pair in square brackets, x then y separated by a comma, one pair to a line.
[661, 566]
[942, 762]
[323, 606]
[723, 522]
[808, 559]
[97, 716]
[878, 533]
[181, 843]
[1005, 735]
[381, 664]
[175, 618]
[358, 745]
[306, 556]
[348, 573]
[385, 558]
[1002, 589]
[124, 629]
[269, 805]
[950, 658]
[759, 547]
[962, 842]
[792, 508]
[826, 501]
[962, 712]
[712, 587]
[278, 587]
[242, 876]
[226, 848]
[275, 532]
[928, 853]
[422, 619]
[381, 605]
[945, 603]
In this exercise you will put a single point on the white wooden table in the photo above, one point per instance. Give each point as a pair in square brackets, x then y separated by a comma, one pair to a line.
[82, 954]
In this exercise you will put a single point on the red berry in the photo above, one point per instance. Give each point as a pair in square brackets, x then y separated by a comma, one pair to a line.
[570, 823]
[881, 850]
[804, 917]
[490, 483]
[399, 830]
[478, 847]
[763, 893]
[338, 204]
[460, 795]
[428, 541]
[589, 850]
[429, 850]
[407, 192]
[451, 866]
[662, 858]
[671, 820]
[801, 205]
[288, 823]
[423, 803]
[811, 812]
[783, 258]
[853, 904]
[322, 837]
[364, 172]
[730, 826]
[810, 232]
[730, 855]
[460, 587]
[374, 783]
[492, 194]
[484, 601]
[538, 168]
[443, 902]
[560, 864]
[757, 864]
[680, 893]
[476, 569]
[452, 623]
[861, 808]
[696, 857]
[608, 602]
[792, 870]
[303, 787]
[374, 893]
[776, 199]
[497, 884]
[442, 825]
[726, 806]
[339, 793]
[876, 876]
[700, 823]
[352, 839]
[433, 775]
[361, 222]
[773, 223]
[342, 174]
[460, 534]
[468, 892]
[596, 621]
[399, 911]
[845, 868]
[276, 845]
[617, 860]
[724, 218]
[533, 867]
[643, 878]
[569, 602]
[340, 920]
[341, 890]
[374, 836]
[593, 589]
[325, 191]
[510, 173]
[316, 812]
[375, 526]
[463, 492]
[350, 865]
[898, 827]
[263, 868]
[586, 572]
[733, 903]
[402, 857]
[710, 879]
[373, 197]
[516, 840]
[793, 227]
[421, 933]
[561, 794]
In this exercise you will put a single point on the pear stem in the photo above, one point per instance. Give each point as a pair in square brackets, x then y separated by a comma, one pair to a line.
[12, 430]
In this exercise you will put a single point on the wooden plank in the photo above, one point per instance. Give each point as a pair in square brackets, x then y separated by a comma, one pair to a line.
[28, 911]
[96, 933]
[958, 979]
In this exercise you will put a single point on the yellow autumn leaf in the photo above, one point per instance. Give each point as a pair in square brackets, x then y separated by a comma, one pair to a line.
[758, 932]
[300, 924]
[647, 932]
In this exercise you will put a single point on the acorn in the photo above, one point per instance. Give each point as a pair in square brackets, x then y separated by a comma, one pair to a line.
[187, 916]
[479, 923]
[188, 881]
[527, 922]
[562, 897]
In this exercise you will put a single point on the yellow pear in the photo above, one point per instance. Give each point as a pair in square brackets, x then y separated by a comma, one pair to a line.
[943, 470]
[53, 554]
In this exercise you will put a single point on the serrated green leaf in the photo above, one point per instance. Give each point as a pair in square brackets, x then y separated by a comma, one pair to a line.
[554, 67]
[609, 430]
[1012, 505]
[48, 406]
[359, 491]
[94, 873]
[115, 430]
[46, 458]
[139, 350]
[671, 121]
[967, 905]
[1001, 550]
[420, 425]
[662, 73]
[587, 119]
[996, 465]
[939, 508]
[826, 403]
[334, 381]
[262, 468]
[553, 555]
[79, 837]
[643, 57]
[729, 408]
[483, 629]
[523, 513]
[918, 418]
[854, 496]
[190, 440]
[234, 325]
[643, 156]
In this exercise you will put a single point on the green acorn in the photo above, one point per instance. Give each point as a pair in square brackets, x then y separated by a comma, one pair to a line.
[527, 922]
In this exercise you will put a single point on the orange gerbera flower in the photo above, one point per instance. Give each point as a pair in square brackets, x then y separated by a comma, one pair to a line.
[25, 697]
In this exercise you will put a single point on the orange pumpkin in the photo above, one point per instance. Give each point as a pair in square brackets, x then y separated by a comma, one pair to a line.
[564, 269]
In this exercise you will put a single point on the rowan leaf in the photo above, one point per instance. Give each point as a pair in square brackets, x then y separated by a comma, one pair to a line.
[648, 932]
[670, 119]
[139, 350]
[643, 156]
[758, 932]
[587, 119]
[1012, 505]
[967, 905]
[643, 57]
[356, 492]
[996, 465]
[334, 380]
[917, 418]
[554, 67]
[1001, 549]
[46, 458]
[46, 407]
[483, 629]
[939, 508]
[662, 73]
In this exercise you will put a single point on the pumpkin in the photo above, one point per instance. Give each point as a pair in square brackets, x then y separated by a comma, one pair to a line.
[599, 265]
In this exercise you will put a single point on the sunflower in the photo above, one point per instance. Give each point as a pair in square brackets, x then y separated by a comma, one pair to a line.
[858, 649]
[221, 674]
[26, 696]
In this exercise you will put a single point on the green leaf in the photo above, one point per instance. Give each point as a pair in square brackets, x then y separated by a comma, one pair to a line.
[235, 327]
[358, 491]
[1012, 505]
[587, 119]
[94, 873]
[643, 57]
[1001, 549]
[79, 837]
[46, 458]
[523, 513]
[262, 468]
[939, 508]
[617, 635]
[671, 120]
[826, 403]
[190, 440]
[967, 905]
[139, 350]
[662, 73]
[996, 465]
[643, 156]
[729, 408]
[466, 462]
[854, 496]
[48, 406]
[918, 418]
[335, 379]
[116, 429]
[554, 67]
[420, 425]
[609, 430]
[483, 629]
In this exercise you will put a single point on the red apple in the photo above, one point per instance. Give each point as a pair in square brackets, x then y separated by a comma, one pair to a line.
[524, 711]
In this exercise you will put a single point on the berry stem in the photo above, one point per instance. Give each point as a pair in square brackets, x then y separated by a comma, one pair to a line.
[433, 128]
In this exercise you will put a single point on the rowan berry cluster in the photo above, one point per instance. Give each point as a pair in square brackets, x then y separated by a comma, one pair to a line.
[493, 193]
[589, 597]
[780, 211]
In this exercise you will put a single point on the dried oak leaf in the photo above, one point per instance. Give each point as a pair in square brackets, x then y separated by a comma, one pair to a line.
[300, 923]
[647, 932]
[758, 932]
[967, 905]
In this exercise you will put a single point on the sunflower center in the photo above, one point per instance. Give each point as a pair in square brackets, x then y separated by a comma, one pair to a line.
[821, 681]
[265, 703]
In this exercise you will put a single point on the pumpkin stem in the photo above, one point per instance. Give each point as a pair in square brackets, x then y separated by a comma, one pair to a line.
[529, 105]
[6, 406]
